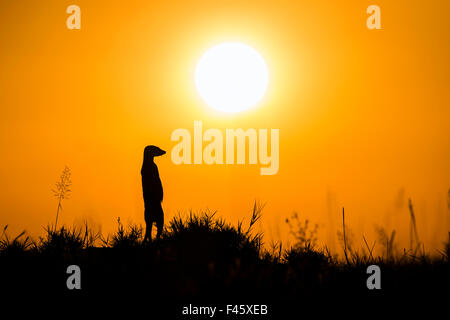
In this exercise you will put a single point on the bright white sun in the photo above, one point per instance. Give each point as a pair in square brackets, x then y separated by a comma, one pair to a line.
[231, 77]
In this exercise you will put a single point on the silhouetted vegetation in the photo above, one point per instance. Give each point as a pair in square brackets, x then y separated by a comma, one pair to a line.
[201, 256]
[62, 190]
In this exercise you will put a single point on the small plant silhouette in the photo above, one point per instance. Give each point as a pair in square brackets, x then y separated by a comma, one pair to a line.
[304, 236]
[62, 190]
[66, 240]
[16, 245]
[131, 237]
[387, 242]
[415, 244]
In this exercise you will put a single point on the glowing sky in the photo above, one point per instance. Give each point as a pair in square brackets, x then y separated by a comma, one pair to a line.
[363, 114]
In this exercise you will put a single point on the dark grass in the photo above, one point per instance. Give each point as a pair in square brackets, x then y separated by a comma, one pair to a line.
[202, 257]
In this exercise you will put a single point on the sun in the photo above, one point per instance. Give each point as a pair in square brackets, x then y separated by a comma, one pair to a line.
[231, 77]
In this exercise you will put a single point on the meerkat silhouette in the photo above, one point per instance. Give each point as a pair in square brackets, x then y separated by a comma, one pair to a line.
[153, 192]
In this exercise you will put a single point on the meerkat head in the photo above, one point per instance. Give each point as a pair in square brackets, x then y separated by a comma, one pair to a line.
[153, 151]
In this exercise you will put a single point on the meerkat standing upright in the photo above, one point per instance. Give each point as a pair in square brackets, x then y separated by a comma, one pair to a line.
[152, 191]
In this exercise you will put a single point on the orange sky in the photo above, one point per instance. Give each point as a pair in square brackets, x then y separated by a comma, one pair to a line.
[363, 114]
